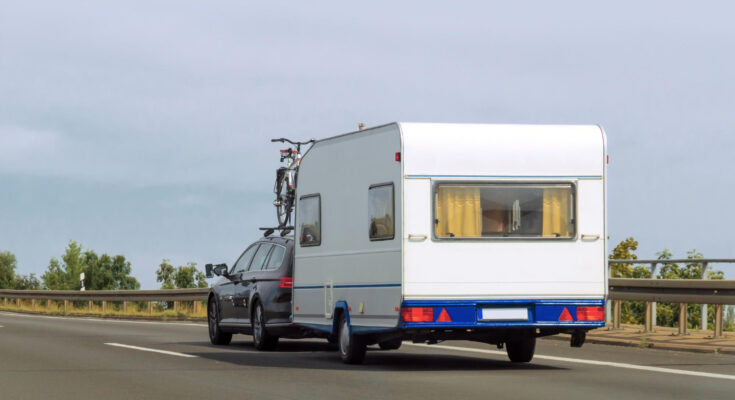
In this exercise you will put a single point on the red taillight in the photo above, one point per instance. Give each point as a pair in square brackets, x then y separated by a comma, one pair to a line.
[286, 282]
[417, 314]
[590, 313]
[398, 156]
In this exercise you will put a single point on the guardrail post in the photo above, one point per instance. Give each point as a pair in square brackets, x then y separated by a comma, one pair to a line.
[125, 306]
[33, 304]
[5, 301]
[18, 302]
[195, 307]
[648, 327]
[682, 319]
[616, 314]
[653, 309]
[48, 304]
[718, 321]
[150, 307]
[66, 306]
[704, 314]
[176, 306]
[104, 306]
[89, 306]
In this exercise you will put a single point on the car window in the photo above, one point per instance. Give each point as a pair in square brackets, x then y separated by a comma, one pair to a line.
[276, 258]
[244, 260]
[260, 257]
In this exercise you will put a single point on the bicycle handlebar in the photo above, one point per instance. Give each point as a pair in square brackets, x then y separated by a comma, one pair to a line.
[282, 140]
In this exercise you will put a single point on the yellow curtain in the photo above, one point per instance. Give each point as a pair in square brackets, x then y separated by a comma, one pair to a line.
[459, 211]
[556, 213]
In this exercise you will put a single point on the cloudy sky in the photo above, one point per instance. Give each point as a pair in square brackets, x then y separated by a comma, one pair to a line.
[141, 128]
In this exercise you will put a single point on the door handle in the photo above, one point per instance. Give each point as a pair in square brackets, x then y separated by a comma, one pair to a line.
[416, 238]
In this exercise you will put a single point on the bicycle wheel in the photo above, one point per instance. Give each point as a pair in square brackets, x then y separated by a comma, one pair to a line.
[284, 200]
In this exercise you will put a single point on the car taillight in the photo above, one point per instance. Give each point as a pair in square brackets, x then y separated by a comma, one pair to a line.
[417, 314]
[590, 313]
[286, 282]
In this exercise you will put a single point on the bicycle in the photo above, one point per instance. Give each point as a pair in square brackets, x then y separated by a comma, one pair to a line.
[285, 186]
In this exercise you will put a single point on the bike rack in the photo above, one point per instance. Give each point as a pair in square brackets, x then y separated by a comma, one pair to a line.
[284, 230]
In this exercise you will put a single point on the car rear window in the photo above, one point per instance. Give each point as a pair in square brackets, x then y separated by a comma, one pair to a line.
[276, 258]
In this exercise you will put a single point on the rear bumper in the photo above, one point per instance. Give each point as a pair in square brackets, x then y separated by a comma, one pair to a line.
[468, 313]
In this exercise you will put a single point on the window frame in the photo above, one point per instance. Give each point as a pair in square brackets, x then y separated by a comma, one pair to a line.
[232, 271]
[267, 261]
[575, 216]
[393, 210]
[319, 207]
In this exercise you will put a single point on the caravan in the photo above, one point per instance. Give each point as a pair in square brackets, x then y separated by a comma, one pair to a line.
[431, 232]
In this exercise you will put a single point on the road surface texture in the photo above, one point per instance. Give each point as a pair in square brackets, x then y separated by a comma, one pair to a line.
[44, 357]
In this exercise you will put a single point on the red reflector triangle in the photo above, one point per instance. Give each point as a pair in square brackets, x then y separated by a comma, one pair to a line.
[444, 316]
[565, 315]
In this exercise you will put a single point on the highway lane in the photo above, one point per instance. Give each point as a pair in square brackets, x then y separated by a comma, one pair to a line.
[65, 358]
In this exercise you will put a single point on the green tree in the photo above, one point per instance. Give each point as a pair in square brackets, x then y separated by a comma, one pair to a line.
[102, 272]
[7, 270]
[27, 282]
[183, 277]
[632, 312]
[165, 275]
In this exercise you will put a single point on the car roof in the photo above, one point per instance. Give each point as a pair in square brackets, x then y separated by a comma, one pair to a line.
[277, 239]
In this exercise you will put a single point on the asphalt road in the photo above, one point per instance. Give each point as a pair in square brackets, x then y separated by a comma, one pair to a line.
[72, 358]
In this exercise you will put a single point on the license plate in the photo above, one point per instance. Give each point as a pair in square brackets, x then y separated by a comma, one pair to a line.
[504, 314]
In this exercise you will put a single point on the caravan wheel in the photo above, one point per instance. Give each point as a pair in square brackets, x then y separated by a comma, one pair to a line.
[351, 347]
[521, 350]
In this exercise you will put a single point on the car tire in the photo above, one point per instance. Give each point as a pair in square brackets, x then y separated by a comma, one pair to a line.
[392, 344]
[216, 336]
[521, 350]
[351, 347]
[262, 340]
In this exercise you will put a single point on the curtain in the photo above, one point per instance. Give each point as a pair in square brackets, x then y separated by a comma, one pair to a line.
[459, 212]
[556, 213]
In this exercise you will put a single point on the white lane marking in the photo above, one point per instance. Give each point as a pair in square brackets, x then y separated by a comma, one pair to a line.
[171, 353]
[589, 362]
[120, 321]
[2, 326]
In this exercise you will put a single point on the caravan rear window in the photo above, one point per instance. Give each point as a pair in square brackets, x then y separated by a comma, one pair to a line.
[478, 211]
[310, 220]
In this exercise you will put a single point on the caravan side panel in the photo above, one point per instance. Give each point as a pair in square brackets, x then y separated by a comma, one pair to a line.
[347, 267]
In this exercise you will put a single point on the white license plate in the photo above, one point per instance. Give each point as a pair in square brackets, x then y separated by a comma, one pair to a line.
[504, 314]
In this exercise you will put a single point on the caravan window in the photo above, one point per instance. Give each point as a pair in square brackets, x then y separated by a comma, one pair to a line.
[381, 207]
[477, 211]
[310, 220]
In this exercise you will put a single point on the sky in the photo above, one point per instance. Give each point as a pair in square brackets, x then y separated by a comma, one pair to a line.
[142, 128]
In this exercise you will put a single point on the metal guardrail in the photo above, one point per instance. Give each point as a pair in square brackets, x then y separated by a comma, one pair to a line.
[173, 295]
[682, 291]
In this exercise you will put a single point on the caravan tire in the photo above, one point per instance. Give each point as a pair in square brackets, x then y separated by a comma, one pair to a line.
[521, 350]
[216, 336]
[351, 347]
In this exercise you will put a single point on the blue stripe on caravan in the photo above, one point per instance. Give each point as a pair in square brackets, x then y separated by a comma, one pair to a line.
[351, 286]
[508, 176]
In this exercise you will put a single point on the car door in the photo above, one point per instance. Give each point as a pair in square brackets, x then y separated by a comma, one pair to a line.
[245, 285]
[227, 290]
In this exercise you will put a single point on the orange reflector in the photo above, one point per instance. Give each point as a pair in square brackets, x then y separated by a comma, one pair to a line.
[397, 308]
[297, 308]
[349, 308]
[417, 314]
[444, 316]
[590, 313]
[565, 315]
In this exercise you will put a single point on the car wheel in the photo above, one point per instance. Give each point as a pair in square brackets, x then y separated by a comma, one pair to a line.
[351, 347]
[521, 350]
[393, 344]
[261, 339]
[216, 336]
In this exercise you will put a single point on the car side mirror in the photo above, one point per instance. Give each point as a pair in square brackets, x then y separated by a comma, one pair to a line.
[219, 270]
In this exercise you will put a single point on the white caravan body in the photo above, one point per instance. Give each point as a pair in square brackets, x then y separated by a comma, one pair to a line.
[495, 226]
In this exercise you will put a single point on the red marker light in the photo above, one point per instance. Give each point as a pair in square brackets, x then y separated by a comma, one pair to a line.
[398, 156]
[286, 282]
[417, 314]
[590, 313]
